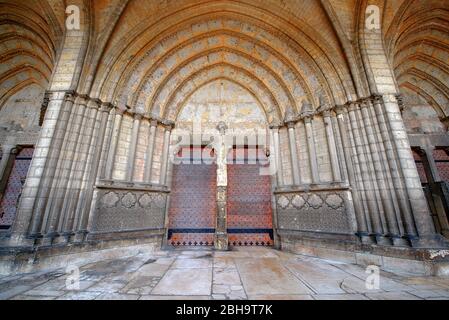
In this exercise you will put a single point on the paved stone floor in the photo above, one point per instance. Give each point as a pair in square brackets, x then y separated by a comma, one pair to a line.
[245, 273]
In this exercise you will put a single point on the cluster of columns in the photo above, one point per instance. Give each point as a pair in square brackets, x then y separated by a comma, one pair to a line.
[66, 159]
[76, 149]
[375, 158]
[114, 133]
[306, 116]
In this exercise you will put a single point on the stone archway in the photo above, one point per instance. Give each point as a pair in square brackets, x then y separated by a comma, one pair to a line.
[229, 118]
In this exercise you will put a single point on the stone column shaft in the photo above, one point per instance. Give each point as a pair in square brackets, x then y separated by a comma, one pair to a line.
[91, 172]
[52, 211]
[165, 157]
[150, 152]
[78, 179]
[106, 143]
[366, 177]
[312, 150]
[294, 154]
[371, 171]
[336, 173]
[114, 142]
[277, 154]
[397, 181]
[72, 183]
[387, 170]
[47, 154]
[133, 148]
[71, 160]
[359, 210]
[392, 225]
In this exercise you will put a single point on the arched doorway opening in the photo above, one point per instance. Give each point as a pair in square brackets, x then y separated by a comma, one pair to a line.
[240, 192]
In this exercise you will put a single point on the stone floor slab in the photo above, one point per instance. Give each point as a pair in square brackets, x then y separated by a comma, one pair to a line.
[185, 282]
[269, 276]
[239, 274]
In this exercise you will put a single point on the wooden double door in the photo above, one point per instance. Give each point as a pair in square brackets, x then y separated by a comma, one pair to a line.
[193, 206]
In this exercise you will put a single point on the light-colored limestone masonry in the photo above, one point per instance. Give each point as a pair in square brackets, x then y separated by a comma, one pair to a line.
[345, 113]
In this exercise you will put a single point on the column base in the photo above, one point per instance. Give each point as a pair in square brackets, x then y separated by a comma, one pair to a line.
[401, 242]
[80, 236]
[429, 242]
[221, 242]
[383, 240]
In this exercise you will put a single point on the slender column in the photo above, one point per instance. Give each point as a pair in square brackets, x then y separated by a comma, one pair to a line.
[85, 199]
[150, 151]
[221, 231]
[388, 173]
[107, 140]
[362, 227]
[83, 164]
[72, 156]
[103, 146]
[398, 183]
[165, 157]
[133, 147]
[114, 142]
[332, 145]
[371, 197]
[277, 155]
[381, 178]
[81, 149]
[56, 193]
[294, 153]
[371, 178]
[312, 150]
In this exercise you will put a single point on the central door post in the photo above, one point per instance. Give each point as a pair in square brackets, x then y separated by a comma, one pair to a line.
[221, 230]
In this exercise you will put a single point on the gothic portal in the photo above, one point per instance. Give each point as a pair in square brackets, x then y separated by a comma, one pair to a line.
[316, 127]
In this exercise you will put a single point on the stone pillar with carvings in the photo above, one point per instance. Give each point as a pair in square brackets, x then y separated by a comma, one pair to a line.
[221, 232]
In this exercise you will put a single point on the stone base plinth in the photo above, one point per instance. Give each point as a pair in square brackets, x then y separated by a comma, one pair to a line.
[28, 259]
[414, 261]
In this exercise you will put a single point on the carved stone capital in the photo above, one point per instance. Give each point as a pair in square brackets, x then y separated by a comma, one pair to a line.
[352, 106]
[138, 116]
[341, 109]
[291, 124]
[70, 96]
[377, 99]
[107, 107]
